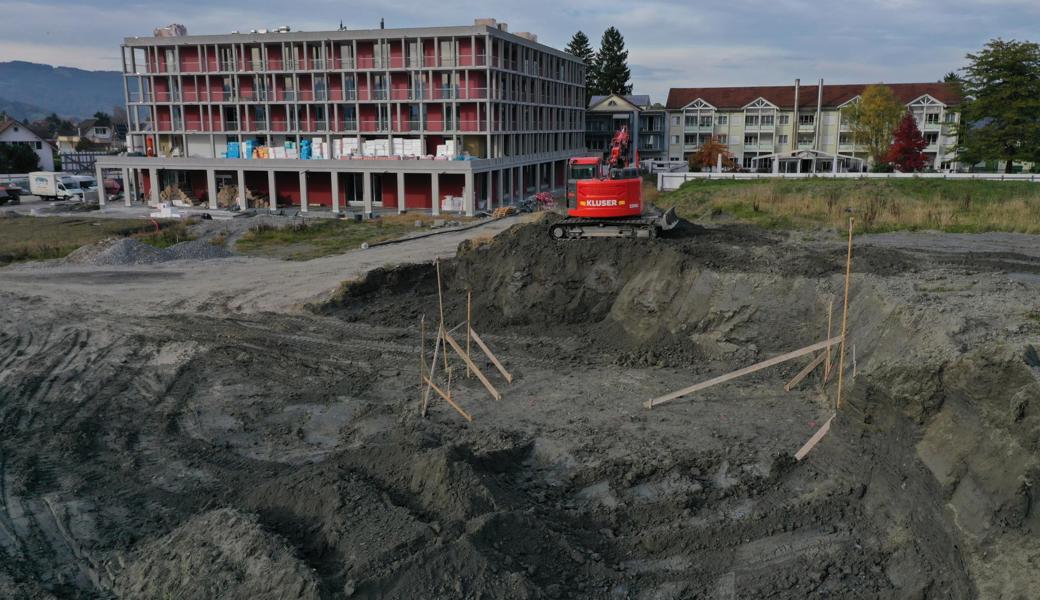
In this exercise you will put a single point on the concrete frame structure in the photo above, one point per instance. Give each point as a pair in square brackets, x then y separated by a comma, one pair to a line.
[513, 106]
[795, 129]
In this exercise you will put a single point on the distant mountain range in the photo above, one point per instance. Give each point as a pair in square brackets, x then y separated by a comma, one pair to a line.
[31, 91]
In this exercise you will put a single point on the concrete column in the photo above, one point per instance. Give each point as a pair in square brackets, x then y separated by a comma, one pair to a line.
[834, 164]
[153, 179]
[537, 178]
[400, 192]
[776, 164]
[366, 192]
[241, 189]
[272, 191]
[303, 191]
[468, 204]
[435, 193]
[101, 187]
[552, 177]
[128, 187]
[335, 191]
[489, 190]
[512, 185]
[211, 188]
[501, 187]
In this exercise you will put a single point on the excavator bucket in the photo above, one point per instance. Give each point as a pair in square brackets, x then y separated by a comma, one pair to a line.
[669, 219]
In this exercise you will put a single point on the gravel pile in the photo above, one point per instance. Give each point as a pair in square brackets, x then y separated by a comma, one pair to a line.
[129, 252]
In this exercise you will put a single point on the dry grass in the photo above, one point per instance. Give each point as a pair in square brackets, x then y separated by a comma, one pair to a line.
[889, 205]
[41, 238]
[304, 240]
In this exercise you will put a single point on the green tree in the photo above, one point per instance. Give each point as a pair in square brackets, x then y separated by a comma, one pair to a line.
[1000, 117]
[580, 47]
[18, 158]
[103, 118]
[873, 119]
[612, 73]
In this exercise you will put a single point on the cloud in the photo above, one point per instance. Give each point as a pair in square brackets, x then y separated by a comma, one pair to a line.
[671, 42]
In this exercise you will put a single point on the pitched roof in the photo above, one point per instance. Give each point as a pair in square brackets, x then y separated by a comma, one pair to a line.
[639, 100]
[5, 124]
[783, 95]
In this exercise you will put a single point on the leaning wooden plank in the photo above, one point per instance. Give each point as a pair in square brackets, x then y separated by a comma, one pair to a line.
[739, 373]
[805, 372]
[433, 370]
[494, 361]
[448, 399]
[469, 363]
[815, 439]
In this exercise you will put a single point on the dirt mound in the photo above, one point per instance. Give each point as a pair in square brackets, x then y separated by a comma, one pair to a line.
[218, 554]
[129, 252]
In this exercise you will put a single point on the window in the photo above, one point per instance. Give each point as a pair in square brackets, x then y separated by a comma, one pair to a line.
[675, 120]
[747, 160]
[675, 139]
[750, 140]
[691, 121]
[722, 138]
[931, 138]
[38, 145]
[806, 119]
[782, 139]
[845, 139]
[767, 120]
[784, 119]
[722, 120]
[690, 140]
[951, 117]
[750, 119]
[100, 130]
[805, 139]
[705, 121]
[931, 119]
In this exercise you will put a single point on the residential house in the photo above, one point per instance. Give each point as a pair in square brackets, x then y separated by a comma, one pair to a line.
[15, 132]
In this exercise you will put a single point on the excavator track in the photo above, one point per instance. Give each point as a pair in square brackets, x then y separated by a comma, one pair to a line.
[646, 226]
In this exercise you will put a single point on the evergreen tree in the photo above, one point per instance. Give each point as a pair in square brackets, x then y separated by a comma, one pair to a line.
[580, 47]
[907, 150]
[613, 75]
[1000, 118]
[18, 158]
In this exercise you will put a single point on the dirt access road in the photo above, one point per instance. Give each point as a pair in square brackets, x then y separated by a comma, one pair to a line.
[189, 430]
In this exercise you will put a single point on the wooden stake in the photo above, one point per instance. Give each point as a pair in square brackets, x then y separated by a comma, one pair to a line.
[433, 370]
[447, 398]
[469, 363]
[805, 372]
[440, 306]
[494, 360]
[422, 352]
[815, 439]
[469, 323]
[746, 370]
[830, 319]
[844, 318]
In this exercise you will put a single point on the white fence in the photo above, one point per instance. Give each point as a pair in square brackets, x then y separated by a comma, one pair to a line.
[667, 182]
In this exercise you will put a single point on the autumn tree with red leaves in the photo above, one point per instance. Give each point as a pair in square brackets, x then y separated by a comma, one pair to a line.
[906, 152]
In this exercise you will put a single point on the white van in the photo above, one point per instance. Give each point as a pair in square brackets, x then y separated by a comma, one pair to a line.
[49, 185]
[89, 185]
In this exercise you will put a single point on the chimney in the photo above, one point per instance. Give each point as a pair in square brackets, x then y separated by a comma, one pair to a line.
[817, 143]
[794, 120]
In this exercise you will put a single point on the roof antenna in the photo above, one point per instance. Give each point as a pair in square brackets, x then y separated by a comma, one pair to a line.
[341, 24]
[381, 25]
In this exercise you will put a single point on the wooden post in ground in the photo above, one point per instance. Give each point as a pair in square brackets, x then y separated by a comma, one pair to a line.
[422, 353]
[440, 306]
[844, 318]
[827, 362]
[472, 367]
[469, 322]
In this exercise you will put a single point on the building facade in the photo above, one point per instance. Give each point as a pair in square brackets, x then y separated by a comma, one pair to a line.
[14, 132]
[647, 124]
[391, 119]
[801, 128]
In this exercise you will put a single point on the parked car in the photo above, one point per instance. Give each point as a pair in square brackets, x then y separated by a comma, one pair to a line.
[10, 193]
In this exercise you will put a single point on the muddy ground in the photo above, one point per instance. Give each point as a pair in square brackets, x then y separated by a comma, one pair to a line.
[200, 449]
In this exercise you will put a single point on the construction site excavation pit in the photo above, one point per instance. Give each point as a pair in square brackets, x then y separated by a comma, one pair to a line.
[288, 448]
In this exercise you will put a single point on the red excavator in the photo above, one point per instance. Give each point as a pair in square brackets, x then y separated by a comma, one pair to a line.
[605, 199]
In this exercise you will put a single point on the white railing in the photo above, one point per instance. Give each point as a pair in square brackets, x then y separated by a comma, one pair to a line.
[667, 182]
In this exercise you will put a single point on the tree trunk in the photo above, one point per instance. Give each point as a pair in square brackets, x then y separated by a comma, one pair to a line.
[1007, 167]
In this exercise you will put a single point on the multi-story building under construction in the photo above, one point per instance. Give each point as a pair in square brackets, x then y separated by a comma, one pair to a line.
[454, 118]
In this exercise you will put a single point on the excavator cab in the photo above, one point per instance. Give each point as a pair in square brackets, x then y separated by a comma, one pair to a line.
[579, 168]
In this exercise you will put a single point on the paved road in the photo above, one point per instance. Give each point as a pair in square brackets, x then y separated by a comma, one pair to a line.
[239, 284]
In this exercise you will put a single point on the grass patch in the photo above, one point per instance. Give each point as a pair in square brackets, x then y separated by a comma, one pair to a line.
[879, 205]
[41, 238]
[322, 237]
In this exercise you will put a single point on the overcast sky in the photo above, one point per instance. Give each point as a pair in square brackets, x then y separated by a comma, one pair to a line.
[671, 42]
